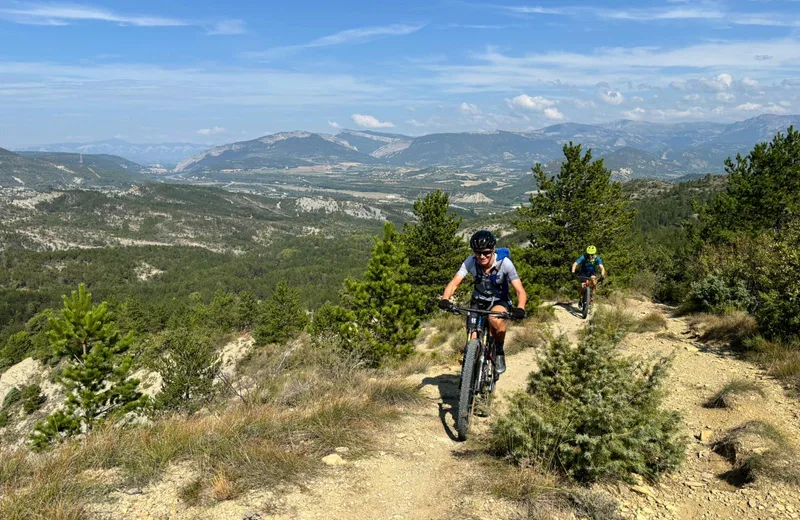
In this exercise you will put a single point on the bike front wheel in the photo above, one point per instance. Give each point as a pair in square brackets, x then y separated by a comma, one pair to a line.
[587, 300]
[466, 399]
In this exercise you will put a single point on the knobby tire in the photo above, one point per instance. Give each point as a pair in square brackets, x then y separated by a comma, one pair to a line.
[466, 400]
[587, 300]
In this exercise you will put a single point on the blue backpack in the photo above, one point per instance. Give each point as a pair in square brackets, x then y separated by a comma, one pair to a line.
[502, 253]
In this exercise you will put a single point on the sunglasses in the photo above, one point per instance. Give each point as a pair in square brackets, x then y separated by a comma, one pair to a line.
[484, 253]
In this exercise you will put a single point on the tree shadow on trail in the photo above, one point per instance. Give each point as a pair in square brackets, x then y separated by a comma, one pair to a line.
[447, 384]
[572, 309]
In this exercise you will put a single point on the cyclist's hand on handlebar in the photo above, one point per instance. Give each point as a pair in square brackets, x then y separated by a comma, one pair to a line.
[445, 305]
[518, 313]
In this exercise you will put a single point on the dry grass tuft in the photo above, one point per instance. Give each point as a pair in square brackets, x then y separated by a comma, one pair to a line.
[653, 322]
[727, 396]
[780, 359]
[222, 488]
[530, 335]
[613, 321]
[732, 328]
[759, 451]
[541, 494]
[444, 325]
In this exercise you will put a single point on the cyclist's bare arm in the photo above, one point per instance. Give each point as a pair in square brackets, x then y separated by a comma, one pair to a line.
[574, 267]
[450, 290]
[522, 296]
[603, 270]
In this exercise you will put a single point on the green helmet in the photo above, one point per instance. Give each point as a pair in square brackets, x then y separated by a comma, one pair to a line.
[591, 250]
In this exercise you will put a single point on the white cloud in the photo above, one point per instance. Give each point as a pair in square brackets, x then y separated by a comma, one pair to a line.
[749, 83]
[636, 113]
[671, 113]
[350, 36]
[637, 99]
[333, 124]
[227, 27]
[612, 97]
[367, 121]
[679, 85]
[534, 10]
[691, 97]
[414, 122]
[211, 131]
[62, 14]
[469, 109]
[725, 97]
[553, 113]
[125, 85]
[786, 104]
[527, 102]
[712, 12]
[749, 106]
[719, 83]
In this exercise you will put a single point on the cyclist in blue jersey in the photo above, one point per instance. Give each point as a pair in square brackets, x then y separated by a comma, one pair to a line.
[588, 265]
[493, 273]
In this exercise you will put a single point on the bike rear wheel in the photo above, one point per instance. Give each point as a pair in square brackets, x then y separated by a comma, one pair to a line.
[587, 300]
[466, 399]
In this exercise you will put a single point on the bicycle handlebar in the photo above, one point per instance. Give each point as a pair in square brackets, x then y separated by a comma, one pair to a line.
[455, 309]
[586, 278]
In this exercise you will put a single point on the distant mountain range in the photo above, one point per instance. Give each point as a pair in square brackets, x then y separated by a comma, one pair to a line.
[158, 153]
[633, 149]
[49, 169]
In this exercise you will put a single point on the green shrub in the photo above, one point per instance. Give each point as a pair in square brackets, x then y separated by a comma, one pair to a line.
[715, 294]
[4, 419]
[12, 397]
[592, 414]
[17, 348]
[32, 398]
[281, 316]
[188, 366]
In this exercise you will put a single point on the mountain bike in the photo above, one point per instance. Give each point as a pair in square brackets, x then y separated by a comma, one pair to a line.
[478, 377]
[585, 302]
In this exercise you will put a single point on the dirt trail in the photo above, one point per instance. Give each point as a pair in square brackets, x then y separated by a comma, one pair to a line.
[420, 470]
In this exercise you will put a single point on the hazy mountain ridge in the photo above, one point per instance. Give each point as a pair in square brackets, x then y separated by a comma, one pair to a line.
[152, 153]
[632, 148]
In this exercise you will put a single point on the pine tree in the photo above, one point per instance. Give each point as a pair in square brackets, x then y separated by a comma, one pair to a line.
[435, 251]
[384, 303]
[246, 310]
[763, 190]
[577, 207]
[188, 366]
[96, 376]
[281, 316]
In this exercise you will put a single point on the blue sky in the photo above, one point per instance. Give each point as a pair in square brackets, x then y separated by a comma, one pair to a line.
[214, 72]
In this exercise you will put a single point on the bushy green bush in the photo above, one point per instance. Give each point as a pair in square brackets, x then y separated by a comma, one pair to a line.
[281, 316]
[32, 398]
[715, 294]
[12, 397]
[189, 364]
[592, 414]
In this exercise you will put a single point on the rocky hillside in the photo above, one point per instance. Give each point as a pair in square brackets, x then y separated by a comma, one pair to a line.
[65, 170]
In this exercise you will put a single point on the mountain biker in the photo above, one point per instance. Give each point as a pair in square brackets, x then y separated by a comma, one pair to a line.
[492, 278]
[589, 265]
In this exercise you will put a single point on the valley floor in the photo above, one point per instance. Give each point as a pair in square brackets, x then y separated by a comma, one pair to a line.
[420, 472]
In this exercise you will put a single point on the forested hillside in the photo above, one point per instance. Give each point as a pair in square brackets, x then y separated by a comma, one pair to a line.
[290, 325]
